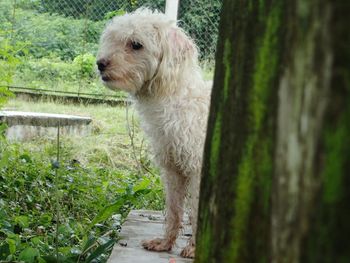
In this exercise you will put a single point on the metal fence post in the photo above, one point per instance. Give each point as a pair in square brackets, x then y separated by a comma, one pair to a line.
[171, 8]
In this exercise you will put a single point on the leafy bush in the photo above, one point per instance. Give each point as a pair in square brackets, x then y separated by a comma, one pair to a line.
[9, 60]
[54, 74]
[78, 208]
[72, 212]
[61, 48]
[48, 69]
[51, 35]
[78, 28]
[86, 64]
[96, 9]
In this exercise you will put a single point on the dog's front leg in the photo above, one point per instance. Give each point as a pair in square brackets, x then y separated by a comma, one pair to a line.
[193, 188]
[175, 194]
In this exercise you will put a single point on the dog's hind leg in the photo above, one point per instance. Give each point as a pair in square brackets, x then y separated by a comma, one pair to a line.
[176, 185]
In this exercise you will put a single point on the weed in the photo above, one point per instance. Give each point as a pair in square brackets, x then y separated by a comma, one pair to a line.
[90, 188]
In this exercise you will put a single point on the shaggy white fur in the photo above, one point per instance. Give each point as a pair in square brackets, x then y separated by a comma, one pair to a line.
[147, 55]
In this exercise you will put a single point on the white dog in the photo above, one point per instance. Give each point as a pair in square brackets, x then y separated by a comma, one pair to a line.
[147, 55]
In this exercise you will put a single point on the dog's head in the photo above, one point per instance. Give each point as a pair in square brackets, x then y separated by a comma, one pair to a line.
[142, 49]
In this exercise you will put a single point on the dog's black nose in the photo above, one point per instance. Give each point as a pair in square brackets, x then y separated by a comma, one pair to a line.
[102, 64]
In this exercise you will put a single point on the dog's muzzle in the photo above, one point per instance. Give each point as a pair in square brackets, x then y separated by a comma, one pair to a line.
[102, 64]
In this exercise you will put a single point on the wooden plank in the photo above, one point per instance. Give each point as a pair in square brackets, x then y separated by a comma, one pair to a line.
[145, 224]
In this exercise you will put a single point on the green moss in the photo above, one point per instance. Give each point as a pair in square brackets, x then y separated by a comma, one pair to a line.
[251, 167]
[261, 9]
[253, 72]
[332, 210]
[227, 67]
[215, 145]
[242, 206]
[251, 4]
[265, 170]
[216, 137]
[205, 241]
[335, 141]
[265, 69]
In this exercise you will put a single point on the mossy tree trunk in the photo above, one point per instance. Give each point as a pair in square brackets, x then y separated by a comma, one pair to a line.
[276, 174]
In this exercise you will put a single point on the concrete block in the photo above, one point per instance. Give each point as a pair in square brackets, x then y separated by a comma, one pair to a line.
[27, 125]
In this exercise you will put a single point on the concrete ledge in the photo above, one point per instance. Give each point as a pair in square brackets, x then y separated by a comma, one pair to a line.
[144, 224]
[41, 119]
[26, 125]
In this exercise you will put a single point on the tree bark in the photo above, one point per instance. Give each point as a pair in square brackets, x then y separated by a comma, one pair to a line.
[277, 156]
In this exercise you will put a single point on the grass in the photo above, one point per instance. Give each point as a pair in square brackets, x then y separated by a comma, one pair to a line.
[108, 145]
[56, 75]
[72, 213]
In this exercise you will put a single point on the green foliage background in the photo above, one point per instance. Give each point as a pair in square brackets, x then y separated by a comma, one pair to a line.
[79, 207]
[57, 32]
[52, 45]
[8, 62]
[82, 206]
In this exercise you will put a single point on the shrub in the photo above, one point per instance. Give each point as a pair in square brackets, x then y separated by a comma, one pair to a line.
[72, 212]
[86, 65]
[48, 69]
[52, 35]
[95, 10]
[9, 60]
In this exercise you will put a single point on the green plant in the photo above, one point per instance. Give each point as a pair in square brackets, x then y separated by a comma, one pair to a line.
[94, 10]
[54, 35]
[95, 187]
[111, 14]
[52, 73]
[86, 65]
[90, 200]
[8, 62]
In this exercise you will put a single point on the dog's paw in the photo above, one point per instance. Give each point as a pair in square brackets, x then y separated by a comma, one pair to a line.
[157, 244]
[188, 251]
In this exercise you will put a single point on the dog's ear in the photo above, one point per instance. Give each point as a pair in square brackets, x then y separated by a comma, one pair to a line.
[178, 52]
[181, 46]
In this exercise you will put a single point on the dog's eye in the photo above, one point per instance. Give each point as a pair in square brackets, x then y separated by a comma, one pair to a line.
[136, 45]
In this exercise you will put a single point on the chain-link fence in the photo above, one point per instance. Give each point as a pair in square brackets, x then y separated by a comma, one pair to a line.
[59, 39]
[201, 20]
